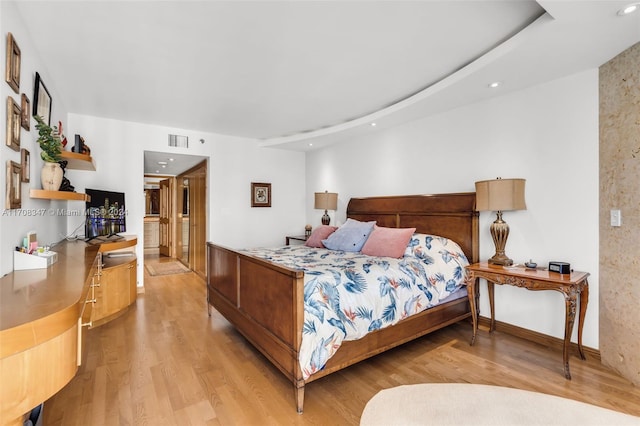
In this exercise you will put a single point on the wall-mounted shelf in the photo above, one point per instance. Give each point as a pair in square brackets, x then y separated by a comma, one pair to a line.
[74, 161]
[58, 195]
[78, 161]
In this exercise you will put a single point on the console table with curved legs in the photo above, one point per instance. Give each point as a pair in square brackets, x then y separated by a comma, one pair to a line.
[573, 286]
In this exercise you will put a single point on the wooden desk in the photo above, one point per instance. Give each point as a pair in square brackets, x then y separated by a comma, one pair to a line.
[39, 329]
[41, 323]
[570, 285]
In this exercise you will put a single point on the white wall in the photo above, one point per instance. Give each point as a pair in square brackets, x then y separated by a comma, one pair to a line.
[35, 214]
[118, 148]
[547, 134]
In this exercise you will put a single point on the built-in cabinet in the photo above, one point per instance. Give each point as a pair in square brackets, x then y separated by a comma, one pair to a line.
[113, 283]
[116, 290]
[151, 232]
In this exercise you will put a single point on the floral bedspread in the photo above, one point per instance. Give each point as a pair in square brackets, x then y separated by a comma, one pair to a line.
[347, 295]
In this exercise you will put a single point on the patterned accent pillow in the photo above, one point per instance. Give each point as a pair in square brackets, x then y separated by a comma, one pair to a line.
[320, 233]
[387, 242]
[351, 236]
[426, 247]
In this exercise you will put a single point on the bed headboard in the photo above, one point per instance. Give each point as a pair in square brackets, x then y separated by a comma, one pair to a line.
[451, 216]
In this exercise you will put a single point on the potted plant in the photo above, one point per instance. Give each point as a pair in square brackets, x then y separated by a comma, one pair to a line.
[51, 145]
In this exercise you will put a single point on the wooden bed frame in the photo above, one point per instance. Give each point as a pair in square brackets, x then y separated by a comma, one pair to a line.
[264, 301]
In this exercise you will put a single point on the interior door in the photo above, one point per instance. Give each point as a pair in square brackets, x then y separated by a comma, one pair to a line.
[166, 203]
[192, 189]
[182, 234]
[197, 209]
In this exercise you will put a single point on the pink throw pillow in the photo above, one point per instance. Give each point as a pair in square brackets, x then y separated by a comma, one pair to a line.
[388, 242]
[319, 234]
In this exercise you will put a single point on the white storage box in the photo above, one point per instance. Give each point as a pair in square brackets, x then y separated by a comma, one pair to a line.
[22, 261]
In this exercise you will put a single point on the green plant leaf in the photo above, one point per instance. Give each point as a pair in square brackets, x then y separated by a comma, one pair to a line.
[49, 141]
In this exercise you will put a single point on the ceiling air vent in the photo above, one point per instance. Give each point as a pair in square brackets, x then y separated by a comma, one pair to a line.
[179, 141]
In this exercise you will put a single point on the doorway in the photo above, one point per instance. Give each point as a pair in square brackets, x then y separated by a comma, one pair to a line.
[175, 221]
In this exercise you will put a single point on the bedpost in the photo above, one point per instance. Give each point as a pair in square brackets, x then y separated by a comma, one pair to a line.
[299, 391]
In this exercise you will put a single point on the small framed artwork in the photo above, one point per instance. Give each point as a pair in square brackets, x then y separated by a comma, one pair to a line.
[14, 199]
[260, 194]
[13, 124]
[12, 74]
[25, 118]
[25, 164]
[42, 100]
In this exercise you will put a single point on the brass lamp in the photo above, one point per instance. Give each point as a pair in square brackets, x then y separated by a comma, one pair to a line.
[500, 195]
[326, 201]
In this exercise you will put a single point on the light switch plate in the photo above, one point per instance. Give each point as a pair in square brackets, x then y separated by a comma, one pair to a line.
[616, 218]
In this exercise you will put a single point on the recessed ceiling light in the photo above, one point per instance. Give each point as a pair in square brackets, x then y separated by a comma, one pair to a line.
[630, 8]
[157, 171]
[162, 163]
[170, 159]
[373, 124]
[494, 84]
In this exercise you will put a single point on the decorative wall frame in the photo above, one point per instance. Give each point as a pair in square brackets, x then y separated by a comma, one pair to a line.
[12, 74]
[25, 163]
[260, 194]
[13, 199]
[25, 118]
[13, 124]
[42, 100]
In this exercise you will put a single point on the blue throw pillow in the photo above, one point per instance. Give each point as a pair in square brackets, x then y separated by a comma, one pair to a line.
[349, 237]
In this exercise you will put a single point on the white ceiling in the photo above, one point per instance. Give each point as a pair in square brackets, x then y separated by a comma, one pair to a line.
[163, 164]
[298, 72]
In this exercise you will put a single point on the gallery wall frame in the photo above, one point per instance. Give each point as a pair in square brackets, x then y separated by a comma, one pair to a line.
[25, 164]
[13, 124]
[42, 100]
[260, 194]
[13, 196]
[12, 73]
[25, 118]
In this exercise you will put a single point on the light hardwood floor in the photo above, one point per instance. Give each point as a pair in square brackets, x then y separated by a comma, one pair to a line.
[166, 362]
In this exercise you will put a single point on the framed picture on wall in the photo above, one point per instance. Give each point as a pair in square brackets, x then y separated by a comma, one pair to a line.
[25, 163]
[13, 124]
[14, 199]
[12, 74]
[25, 118]
[260, 194]
[42, 100]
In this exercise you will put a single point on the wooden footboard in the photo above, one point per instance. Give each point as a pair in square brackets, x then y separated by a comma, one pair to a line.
[265, 301]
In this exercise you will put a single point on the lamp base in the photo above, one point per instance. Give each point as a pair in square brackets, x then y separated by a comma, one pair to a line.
[500, 260]
[500, 233]
[325, 218]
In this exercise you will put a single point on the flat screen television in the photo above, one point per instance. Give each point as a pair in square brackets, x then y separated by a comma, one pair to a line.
[105, 214]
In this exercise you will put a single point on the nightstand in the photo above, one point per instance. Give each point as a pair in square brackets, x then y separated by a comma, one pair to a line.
[302, 238]
[571, 285]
